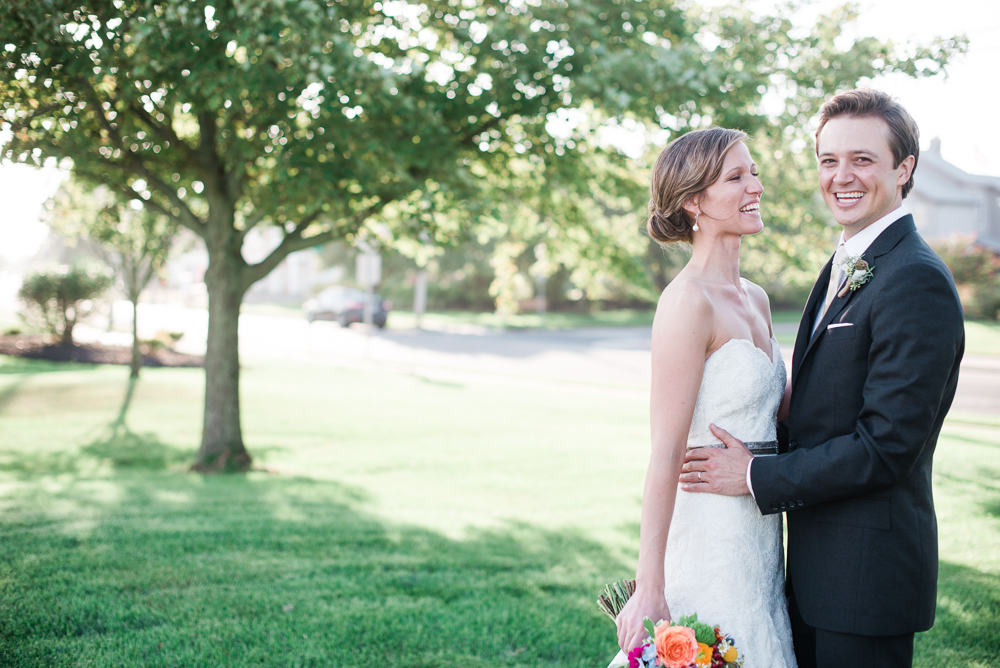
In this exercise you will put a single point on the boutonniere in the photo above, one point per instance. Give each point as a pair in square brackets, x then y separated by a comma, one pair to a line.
[858, 273]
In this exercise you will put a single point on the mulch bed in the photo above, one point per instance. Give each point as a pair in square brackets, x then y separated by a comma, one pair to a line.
[37, 346]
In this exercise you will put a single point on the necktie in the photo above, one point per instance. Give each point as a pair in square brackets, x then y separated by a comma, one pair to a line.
[836, 277]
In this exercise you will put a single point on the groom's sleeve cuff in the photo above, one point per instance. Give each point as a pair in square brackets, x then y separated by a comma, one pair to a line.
[749, 484]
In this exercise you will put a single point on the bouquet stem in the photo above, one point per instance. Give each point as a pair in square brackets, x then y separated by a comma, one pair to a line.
[615, 597]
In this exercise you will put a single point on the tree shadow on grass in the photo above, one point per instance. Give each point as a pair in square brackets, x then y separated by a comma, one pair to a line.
[118, 445]
[992, 507]
[22, 365]
[8, 393]
[126, 449]
[966, 630]
[265, 571]
[24, 369]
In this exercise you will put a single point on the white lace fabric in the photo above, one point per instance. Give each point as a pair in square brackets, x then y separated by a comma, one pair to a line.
[724, 560]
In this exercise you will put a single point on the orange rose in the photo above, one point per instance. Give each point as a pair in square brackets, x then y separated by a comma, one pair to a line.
[676, 646]
[704, 657]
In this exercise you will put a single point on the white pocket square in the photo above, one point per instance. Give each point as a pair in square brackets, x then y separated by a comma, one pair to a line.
[839, 324]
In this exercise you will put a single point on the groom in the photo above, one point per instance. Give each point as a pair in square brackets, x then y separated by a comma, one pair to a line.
[874, 372]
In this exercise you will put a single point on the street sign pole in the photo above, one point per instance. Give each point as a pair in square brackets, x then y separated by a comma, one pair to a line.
[368, 268]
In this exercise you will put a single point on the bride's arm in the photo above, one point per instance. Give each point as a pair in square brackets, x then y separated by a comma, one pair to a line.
[682, 333]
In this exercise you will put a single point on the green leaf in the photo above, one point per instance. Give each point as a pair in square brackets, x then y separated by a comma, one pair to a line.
[647, 624]
[704, 633]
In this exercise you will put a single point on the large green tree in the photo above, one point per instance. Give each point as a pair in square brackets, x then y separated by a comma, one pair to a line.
[322, 117]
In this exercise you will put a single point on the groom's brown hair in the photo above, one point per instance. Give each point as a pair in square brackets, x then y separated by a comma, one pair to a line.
[904, 136]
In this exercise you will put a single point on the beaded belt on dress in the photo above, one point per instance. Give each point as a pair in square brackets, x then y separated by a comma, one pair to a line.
[755, 447]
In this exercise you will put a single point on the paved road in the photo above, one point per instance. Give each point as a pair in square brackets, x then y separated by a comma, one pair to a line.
[598, 359]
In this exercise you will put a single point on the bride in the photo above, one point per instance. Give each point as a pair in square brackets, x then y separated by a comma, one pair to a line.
[715, 365]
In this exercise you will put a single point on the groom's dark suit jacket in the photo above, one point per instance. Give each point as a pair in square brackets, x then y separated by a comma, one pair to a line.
[869, 395]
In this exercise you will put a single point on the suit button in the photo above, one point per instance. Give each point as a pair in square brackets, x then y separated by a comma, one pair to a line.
[774, 506]
[784, 505]
[793, 444]
[800, 503]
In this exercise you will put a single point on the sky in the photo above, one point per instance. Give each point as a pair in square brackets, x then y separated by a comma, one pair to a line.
[962, 110]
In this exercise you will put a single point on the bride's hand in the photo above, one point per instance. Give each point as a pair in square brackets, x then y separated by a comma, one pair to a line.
[643, 603]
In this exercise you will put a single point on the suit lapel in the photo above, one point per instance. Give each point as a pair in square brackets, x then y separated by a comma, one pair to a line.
[805, 324]
[884, 243]
[836, 306]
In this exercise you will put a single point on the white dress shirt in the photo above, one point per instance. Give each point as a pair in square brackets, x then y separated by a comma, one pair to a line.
[855, 247]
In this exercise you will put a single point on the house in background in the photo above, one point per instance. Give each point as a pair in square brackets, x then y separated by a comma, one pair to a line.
[947, 201]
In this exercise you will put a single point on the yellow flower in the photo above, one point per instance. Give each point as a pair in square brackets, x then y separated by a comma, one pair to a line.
[704, 657]
[730, 655]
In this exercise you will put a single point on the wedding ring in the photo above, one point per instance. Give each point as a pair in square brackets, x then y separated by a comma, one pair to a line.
[699, 476]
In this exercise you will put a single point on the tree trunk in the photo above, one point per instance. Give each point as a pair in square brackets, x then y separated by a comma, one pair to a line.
[136, 363]
[66, 336]
[222, 447]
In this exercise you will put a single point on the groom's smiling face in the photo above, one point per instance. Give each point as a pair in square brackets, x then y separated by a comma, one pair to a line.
[857, 175]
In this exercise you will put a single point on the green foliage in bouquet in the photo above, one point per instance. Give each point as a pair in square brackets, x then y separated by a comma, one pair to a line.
[703, 633]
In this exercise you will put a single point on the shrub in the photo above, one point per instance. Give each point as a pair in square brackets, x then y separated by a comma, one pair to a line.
[60, 297]
[977, 278]
[161, 341]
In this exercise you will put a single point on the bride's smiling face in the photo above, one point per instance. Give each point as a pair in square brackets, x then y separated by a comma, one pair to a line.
[732, 203]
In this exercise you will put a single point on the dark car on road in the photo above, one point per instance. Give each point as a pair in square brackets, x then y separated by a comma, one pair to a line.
[345, 305]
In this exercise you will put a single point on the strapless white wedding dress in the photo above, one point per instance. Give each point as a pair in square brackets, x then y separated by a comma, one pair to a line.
[724, 560]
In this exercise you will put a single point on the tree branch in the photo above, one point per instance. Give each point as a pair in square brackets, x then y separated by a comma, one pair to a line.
[294, 241]
[467, 140]
[166, 132]
[18, 124]
[213, 170]
[186, 217]
[251, 223]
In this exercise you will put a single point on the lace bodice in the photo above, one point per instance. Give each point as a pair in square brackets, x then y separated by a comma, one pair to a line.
[741, 390]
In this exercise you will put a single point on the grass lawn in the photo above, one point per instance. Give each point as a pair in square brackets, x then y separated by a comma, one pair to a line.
[401, 521]
[982, 337]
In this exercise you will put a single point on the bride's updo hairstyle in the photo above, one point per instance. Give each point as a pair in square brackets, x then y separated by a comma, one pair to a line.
[687, 166]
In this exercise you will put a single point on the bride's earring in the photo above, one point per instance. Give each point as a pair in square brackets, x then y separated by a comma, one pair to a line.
[695, 228]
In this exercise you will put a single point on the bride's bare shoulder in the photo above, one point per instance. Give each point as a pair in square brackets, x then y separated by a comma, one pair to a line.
[685, 298]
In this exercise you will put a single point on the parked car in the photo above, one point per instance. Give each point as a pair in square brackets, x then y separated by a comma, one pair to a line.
[345, 305]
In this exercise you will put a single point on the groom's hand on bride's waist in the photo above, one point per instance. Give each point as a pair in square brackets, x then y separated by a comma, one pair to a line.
[717, 470]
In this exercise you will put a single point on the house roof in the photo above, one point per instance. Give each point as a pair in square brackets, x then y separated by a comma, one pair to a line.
[948, 183]
[928, 185]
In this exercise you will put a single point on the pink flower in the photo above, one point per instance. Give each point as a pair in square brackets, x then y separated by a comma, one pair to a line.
[633, 656]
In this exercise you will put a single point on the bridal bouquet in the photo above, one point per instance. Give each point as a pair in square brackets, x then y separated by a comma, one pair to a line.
[687, 643]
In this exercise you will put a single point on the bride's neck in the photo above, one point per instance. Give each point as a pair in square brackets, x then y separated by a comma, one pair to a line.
[717, 259]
